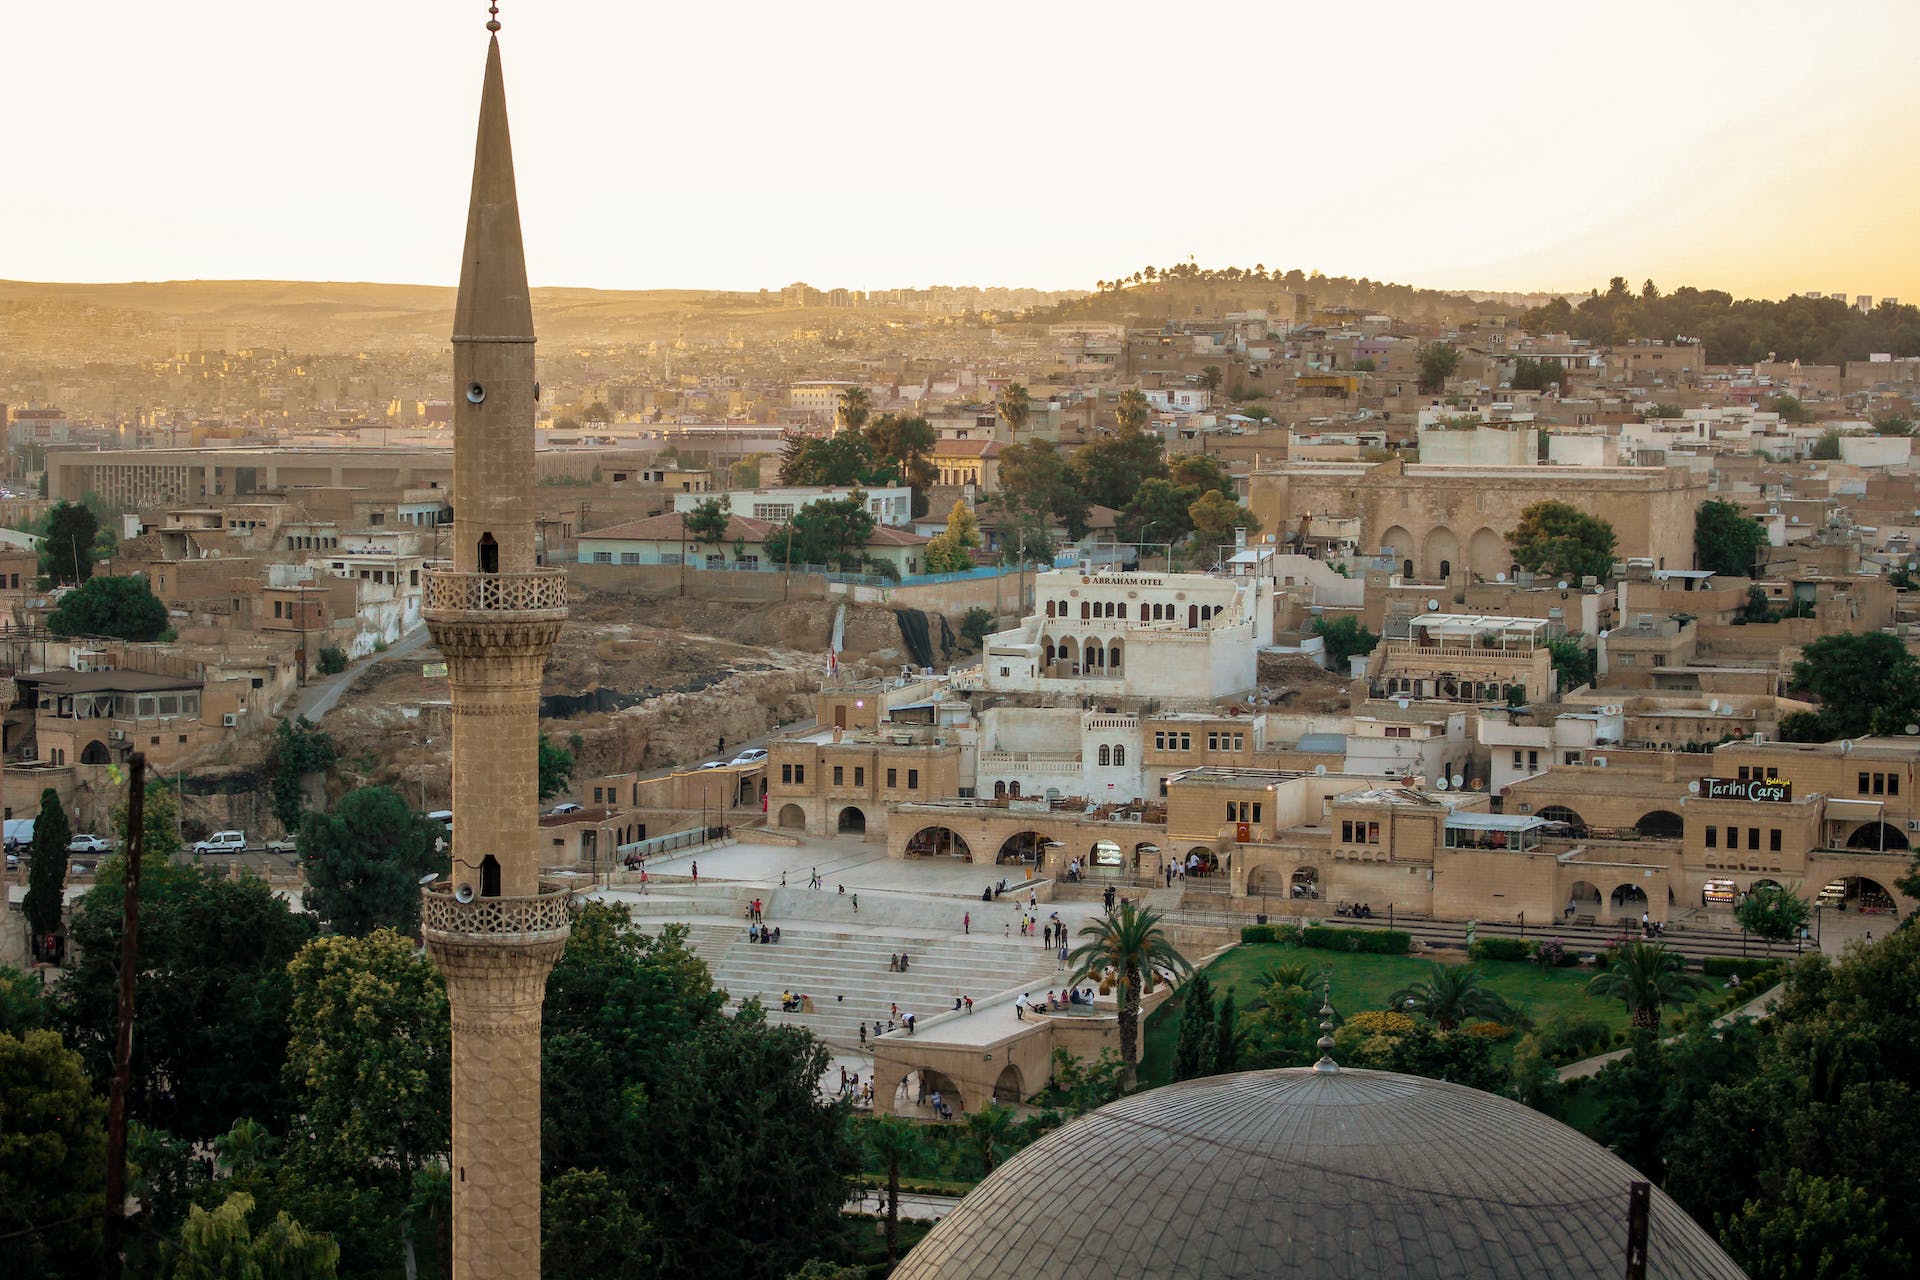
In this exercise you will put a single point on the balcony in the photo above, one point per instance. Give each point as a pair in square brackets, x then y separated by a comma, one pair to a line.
[541, 592]
[544, 915]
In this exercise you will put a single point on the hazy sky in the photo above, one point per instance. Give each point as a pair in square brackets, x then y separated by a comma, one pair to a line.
[1761, 147]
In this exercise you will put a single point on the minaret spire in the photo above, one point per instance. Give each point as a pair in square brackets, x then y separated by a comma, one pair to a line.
[493, 300]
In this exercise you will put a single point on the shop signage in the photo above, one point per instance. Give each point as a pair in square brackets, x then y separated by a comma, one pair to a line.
[1760, 790]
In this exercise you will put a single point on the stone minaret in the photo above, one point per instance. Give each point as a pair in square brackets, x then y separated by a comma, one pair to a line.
[494, 613]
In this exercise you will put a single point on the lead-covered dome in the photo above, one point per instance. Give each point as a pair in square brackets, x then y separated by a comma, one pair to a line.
[1314, 1174]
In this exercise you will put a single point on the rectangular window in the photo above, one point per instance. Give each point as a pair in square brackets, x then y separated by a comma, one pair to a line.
[1893, 784]
[1753, 838]
[839, 775]
[1159, 742]
[603, 557]
[1713, 837]
[893, 778]
[1230, 811]
[1773, 840]
[913, 779]
[1879, 784]
[1186, 742]
[1256, 811]
[1863, 784]
[786, 773]
[1213, 742]
[1346, 833]
[596, 795]
[1373, 833]
[1239, 742]
[799, 773]
[629, 557]
[859, 775]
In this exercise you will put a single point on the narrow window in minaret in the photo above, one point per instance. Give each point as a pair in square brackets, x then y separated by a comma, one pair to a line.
[489, 554]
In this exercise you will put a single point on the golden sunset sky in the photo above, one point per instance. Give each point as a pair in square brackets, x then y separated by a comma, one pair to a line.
[1765, 148]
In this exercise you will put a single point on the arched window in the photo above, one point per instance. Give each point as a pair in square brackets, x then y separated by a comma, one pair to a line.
[489, 556]
[1193, 615]
[1106, 755]
[1049, 608]
[1123, 609]
[1113, 657]
[999, 789]
[1120, 754]
[1086, 610]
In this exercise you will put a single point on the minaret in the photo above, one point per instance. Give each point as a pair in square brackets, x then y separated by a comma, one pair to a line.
[494, 613]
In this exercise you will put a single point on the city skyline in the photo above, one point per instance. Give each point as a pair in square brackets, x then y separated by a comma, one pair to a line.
[1496, 149]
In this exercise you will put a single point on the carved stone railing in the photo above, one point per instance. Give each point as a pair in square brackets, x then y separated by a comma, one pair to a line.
[538, 591]
[543, 913]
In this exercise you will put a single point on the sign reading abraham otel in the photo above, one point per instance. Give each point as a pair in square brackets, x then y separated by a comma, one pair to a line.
[1770, 790]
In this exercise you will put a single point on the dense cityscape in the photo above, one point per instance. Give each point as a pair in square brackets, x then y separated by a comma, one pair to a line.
[1232, 771]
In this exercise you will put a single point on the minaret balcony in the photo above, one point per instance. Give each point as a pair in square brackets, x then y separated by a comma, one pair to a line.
[536, 595]
[543, 917]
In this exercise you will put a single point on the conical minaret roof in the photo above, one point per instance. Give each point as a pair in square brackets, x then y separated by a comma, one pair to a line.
[493, 301]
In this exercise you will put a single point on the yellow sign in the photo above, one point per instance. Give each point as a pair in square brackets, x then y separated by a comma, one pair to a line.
[433, 670]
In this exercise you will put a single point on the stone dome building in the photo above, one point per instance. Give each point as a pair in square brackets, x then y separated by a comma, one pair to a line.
[1315, 1173]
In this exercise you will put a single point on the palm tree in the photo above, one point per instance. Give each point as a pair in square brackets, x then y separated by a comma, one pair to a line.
[1014, 405]
[1644, 977]
[851, 414]
[893, 1141]
[1449, 996]
[1132, 412]
[1131, 946]
[987, 1130]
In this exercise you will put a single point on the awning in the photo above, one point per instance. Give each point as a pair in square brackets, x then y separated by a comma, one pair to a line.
[1855, 810]
[1492, 822]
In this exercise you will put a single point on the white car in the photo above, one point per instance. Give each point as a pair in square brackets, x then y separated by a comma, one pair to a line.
[223, 842]
[714, 764]
[568, 807]
[285, 844]
[88, 844]
[752, 756]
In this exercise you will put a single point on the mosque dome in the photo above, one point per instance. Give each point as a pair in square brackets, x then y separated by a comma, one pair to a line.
[1322, 1175]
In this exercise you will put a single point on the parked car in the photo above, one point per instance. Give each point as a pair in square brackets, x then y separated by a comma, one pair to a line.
[285, 844]
[13, 860]
[753, 755]
[84, 843]
[442, 816]
[568, 807]
[223, 842]
[714, 764]
[19, 832]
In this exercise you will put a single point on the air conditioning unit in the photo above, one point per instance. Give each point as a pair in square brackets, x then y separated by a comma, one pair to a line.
[1913, 824]
[230, 720]
[116, 735]
[1599, 762]
[1525, 808]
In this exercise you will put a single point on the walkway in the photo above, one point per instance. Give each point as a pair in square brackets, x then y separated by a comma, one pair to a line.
[1754, 1008]
[319, 696]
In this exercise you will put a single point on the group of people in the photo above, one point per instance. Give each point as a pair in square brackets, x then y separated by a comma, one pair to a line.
[790, 1002]
[757, 930]
[899, 963]
[994, 890]
[861, 1095]
[1066, 997]
[1355, 910]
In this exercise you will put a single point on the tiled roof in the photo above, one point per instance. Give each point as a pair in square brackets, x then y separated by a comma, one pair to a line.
[967, 448]
[670, 528]
[1321, 1176]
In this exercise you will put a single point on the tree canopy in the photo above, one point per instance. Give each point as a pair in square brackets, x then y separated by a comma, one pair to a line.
[832, 531]
[123, 608]
[948, 551]
[67, 553]
[1034, 478]
[53, 1150]
[1437, 361]
[1345, 639]
[707, 522]
[1812, 330]
[1867, 683]
[556, 768]
[1726, 540]
[299, 751]
[47, 867]
[1562, 540]
[364, 860]
[1109, 471]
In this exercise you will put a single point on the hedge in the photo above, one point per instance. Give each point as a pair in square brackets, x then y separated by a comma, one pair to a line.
[1501, 949]
[1286, 933]
[1380, 942]
[1750, 968]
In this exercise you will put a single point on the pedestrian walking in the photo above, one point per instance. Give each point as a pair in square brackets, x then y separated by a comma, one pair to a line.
[696, 875]
[856, 904]
[966, 923]
[1063, 957]
[863, 1035]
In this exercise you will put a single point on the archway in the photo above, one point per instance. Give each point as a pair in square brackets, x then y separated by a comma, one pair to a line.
[1560, 813]
[852, 821]
[918, 1086]
[1584, 896]
[999, 789]
[938, 842]
[95, 752]
[1661, 824]
[1877, 835]
[1305, 883]
[489, 877]
[793, 817]
[1487, 553]
[1010, 1086]
[1629, 897]
[1022, 848]
[1105, 855]
[1201, 861]
[1262, 881]
[1144, 851]
[489, 554]
[1858, 893]
[1759, 885]
[1442, 550]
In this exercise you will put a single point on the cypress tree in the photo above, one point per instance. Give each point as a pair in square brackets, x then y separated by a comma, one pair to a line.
[1193, 1052]
[47, 868]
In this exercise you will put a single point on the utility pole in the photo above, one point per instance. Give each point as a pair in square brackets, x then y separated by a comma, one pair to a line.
[123, 1032]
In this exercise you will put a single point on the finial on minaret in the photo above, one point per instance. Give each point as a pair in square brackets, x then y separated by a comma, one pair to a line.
[1326, 1065]
[493, 17]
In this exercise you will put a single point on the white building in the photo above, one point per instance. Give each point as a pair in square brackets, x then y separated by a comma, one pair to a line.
[890, 505]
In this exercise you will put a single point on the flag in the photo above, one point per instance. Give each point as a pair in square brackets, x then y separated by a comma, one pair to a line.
[833, 662]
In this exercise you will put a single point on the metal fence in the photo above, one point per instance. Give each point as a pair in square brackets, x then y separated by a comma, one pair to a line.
[664, 844]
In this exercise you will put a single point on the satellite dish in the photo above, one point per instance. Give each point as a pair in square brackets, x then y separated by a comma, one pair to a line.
[1603, 633]
[1499, 577]
[1433, 606]
[1441, 783]
[463, 894]
[1457, 781]
[1693, 788]
[1404, 704]
[1319, 771]
[1563, 584]
[1913, 728]
[430, 877]
[1714, 705]
[1846, 745]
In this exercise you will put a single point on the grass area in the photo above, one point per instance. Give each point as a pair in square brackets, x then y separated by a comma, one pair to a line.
[1365, 982]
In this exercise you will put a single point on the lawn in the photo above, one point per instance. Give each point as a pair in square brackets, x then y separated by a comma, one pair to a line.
[1365, 982]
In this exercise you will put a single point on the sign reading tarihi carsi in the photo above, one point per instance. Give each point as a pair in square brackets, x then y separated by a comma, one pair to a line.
[1766, 790]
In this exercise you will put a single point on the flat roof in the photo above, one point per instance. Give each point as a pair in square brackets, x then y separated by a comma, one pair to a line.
[106, 681]
[1493, 822]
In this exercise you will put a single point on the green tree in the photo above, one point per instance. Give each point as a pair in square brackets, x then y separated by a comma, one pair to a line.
[894, 1142]
[1215, 516]
[214, 997]
[363, 862]
[1536, 375]
[220, 1245]
[839, 461]
[833, 531]
[1561, 540]
[371, 1062]
[1015, 406]
[1111, 470]
[1034, 478]
[989, 1132]
[121, 608]
[948, 551]
[556, 769]
[596, 412]
[1193, 1050]
[1157, 512]
[1893, 424]
[1572, 661]
[24, 1003]
[1345, 639]
[53, 1150]
[1453, 1056]
[1211, 377]
[903, 445]
[299, 750]
[850, 414]
[1226, 1037]
[1451, 995]
[1199, 472]
[1133, 411]
[1128, 951]
[1437, 362]
[1773, 912]
[589, 1230]
[1827, 447]
[707, 523]
[1790, 409]
[1866, 682]
[160, 823]
[1663, 410]
[744, 474]
[65, 555]
[47, 867]
[1816, 1229]
[1646, 977]
[1726, 540]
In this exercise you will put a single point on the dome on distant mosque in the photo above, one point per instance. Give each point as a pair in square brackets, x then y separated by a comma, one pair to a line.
[1321, 1175]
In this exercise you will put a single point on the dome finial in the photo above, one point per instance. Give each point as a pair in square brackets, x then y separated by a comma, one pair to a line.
[1326, 1065]
[493, 17]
